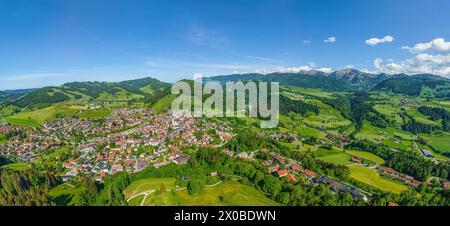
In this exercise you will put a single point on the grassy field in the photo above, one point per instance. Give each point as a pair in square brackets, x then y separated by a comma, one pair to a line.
[439, 142]
[95, 114]
[2, 139]
[224, 194]
[321, 152]
[372, 178]
[386, 136]
[310, 92]
[17, 166]
[120, 95]
[367, 155]
[163, 103]
[328, 118]
[63, 194]
[39, 117]
[340, 159]
[148, 184]
[136, 201]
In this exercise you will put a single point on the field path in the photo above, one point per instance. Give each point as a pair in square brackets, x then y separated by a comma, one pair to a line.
[213, 185]
[145, 193]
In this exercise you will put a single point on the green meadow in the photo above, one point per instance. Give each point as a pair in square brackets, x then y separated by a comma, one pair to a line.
[63, 194]
[366, 155]
[374, 179]
[148, 184]
[95, 114]
[17, 166]
[39, 117]
[224, 194]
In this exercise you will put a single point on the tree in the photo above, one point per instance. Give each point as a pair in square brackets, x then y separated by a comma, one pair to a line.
[271, 185]
[162, 188]
[195, 186]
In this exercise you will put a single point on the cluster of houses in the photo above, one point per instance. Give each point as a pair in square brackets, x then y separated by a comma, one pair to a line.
[281, 166]
[154, 142]
[27, 145]
[66, 128]
[120, 118]
[339, 188]
[405, 179]
[5, 128]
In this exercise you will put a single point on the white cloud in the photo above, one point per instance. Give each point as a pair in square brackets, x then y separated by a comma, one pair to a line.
[420, 64]
[438, 44]
[325, 69]
[331, 39]
[376, 41]
[303, 68]
[307, 42]
[429, 58]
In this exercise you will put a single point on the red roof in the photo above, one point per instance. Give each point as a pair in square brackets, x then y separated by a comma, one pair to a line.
[392, 204]
[264, 150]
[292, 178]
[282, 173]
[272, 169]
[297, 168]
[309, 173]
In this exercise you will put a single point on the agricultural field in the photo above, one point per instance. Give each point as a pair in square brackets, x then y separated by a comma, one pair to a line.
[95, 114]
[339, 159]
[39, 117]
[310, 92]
[329, 118]
[371, 177]
[366, 155]
[223, 194]
[440, 142]
[391, 137]
[413, 111]
[121, 95]
[294, 123]
[335, 155]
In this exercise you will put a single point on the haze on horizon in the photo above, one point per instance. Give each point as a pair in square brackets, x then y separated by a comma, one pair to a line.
[50, 42]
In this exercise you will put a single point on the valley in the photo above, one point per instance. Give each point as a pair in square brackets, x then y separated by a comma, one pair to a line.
[364, 141]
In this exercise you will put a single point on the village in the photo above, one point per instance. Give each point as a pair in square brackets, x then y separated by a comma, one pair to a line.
[152, 141]
[129, 140]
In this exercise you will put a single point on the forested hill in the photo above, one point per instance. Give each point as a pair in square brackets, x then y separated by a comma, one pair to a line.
[416, 84]
[9, 95]
[145, 88]
[312, 79]
[350, 80]
[342, 80]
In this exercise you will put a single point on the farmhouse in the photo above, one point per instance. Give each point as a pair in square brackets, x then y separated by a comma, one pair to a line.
[426, 152]
[309, 173]
[272, 169]
[356, 159]
[282, 173]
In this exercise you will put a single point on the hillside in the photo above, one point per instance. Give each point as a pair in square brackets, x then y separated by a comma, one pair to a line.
[349, 80]
[307, 79]
[360, 80]
[414, 85]
[9, 95]
[141, 89]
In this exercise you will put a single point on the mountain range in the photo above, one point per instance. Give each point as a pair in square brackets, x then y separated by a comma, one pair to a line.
[150, 89]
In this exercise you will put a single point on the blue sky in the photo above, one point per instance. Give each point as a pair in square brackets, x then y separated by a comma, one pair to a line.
[44, 42]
